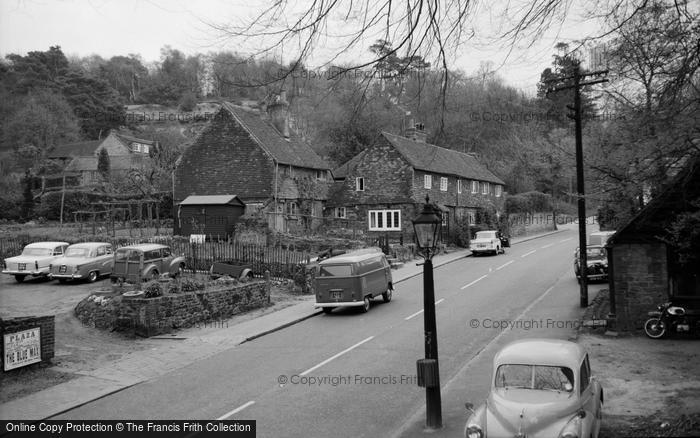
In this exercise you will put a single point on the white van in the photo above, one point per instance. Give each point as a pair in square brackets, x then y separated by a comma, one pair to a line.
[600, 237]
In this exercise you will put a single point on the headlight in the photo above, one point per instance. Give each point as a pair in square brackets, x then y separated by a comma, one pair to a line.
[572, 428]
[474, 431]
[77, 268]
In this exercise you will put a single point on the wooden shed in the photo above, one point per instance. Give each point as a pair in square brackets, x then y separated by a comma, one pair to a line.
[214, 215]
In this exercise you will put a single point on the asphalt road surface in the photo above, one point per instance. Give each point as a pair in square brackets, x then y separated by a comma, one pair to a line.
[353, 374]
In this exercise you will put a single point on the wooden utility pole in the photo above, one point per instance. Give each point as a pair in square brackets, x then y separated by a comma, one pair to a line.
[577, 117]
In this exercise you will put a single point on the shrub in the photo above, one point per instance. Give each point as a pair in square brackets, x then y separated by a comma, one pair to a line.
[153, 289]
[190, 285]
[461, 232]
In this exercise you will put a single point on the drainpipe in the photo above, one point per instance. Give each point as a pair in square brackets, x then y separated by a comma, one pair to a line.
[612, 315]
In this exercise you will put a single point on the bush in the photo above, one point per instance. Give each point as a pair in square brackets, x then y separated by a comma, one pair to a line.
[461, 232]
[153, 289]
[190, 285]
[528, 202]
[188, 102]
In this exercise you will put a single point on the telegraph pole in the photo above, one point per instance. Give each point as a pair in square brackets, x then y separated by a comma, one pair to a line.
[577, 117]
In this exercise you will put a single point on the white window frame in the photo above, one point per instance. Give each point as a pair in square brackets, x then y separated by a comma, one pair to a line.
[443, 184]
[499, 190]
[427, 181]
[360, 184]
[485, 188]
[459, 186]
[475, 187]
[340, 213]
[379, 220]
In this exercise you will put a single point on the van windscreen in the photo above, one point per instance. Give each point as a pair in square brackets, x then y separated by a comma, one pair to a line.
[335, 271]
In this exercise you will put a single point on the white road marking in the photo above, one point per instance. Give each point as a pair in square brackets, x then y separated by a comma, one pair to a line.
[528, 253]
[336, 356]
[413, 315]
[504, 265]
[566, 240]
[546, 246]
[478, 279]
[235, 411]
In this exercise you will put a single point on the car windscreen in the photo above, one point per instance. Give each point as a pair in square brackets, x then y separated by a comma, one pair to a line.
[538, 377]
[335, 271]
[595, 253]
[37, 252]
[77, 252]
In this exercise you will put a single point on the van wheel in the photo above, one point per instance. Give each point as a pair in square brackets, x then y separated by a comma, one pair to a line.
[19, 278]
[365, 305]
[386, 296]
[327, 310]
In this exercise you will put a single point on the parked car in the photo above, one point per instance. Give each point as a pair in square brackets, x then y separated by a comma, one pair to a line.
[353, 279]
[34, 260]
[486, 242]
[83, 261]
[539, 388]
[145, 261]
[597, 261]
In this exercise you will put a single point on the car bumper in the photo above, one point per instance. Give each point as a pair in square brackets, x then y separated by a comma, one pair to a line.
[67, 276]
[341, 304]
[17, 272]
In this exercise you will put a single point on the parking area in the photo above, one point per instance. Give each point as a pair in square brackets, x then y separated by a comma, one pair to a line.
[42, 296]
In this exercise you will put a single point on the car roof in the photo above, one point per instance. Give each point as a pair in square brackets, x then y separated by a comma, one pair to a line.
[354, 256]
[145, 246]
[89, 244]
[45, 244]
[553, 352]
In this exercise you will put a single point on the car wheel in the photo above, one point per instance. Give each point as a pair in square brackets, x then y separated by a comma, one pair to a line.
[327, 310]
[19, 278]
[365, 305]
[92, 276]
[180, 271]
[155, 275]
[386, 296]
[655, 328]
[62, 280]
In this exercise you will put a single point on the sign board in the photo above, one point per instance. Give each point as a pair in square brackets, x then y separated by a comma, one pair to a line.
[198, 238]
[22, 348]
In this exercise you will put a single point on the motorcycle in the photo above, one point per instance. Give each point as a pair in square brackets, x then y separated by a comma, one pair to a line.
[669, 318]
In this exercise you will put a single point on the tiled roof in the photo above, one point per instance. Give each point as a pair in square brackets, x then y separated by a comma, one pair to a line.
[431, 158]
[210, 200]
[293, 151]
[82, 148]
[342, 171]
[117, 162]
[126, 139]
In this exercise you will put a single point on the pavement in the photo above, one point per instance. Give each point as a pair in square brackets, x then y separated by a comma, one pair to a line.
[182, 349]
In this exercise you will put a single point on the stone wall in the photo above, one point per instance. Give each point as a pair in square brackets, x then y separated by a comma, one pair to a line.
[163, 314]
[14, 325]
[641, 282]
[523, 224]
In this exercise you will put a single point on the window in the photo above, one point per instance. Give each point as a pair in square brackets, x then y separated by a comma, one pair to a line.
[385, 220]
[340, 212]
[359, 184]
[499, 188]
[291, 208]
[427, 181]
[459, 186]
[475, 186]
[151, 255]
[101, 251]
[443, 184]
[485, 188]
[139, 147]
[321, 175]
[472, 217]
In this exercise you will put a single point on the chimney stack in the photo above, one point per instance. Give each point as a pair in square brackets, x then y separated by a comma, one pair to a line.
[279, 113]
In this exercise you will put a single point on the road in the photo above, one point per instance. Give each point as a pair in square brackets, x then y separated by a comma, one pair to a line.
[353, 374]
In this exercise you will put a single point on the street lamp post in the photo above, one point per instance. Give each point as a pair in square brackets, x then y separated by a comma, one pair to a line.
[427, 232]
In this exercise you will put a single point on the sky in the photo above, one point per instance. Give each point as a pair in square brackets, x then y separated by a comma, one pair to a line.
[121, 27]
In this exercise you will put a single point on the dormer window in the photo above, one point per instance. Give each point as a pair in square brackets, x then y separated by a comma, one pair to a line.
[140, 148]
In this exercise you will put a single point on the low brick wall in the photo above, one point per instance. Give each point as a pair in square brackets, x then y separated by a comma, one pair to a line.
[15, 325]
[163, 314]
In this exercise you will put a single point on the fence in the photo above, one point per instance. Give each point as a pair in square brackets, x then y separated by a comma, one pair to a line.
[282, 262]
